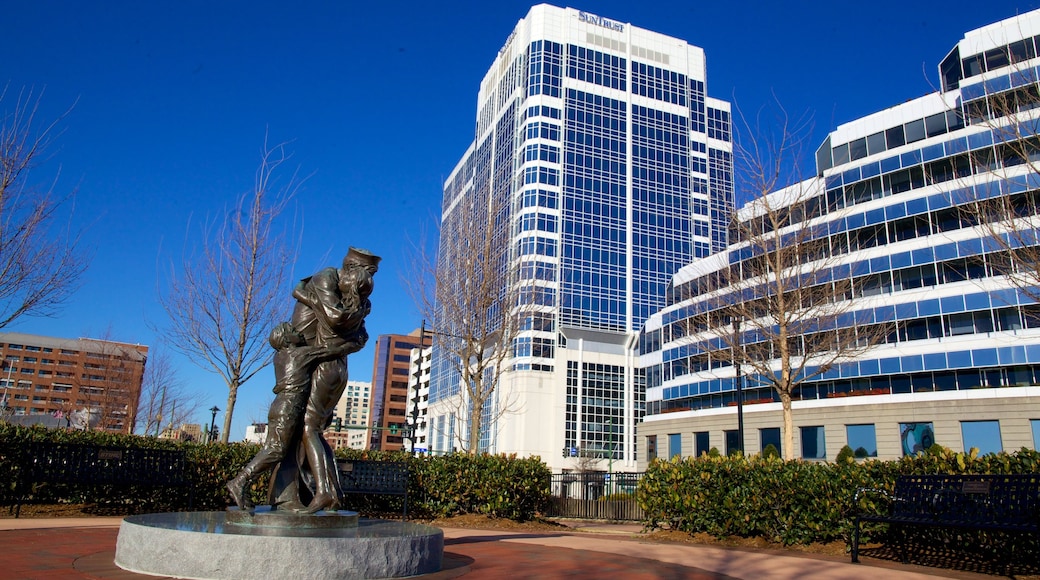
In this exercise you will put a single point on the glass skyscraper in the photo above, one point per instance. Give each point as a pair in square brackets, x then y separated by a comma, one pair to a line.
[609, 169]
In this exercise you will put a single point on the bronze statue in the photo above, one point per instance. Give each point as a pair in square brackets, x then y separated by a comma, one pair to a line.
[328, 323]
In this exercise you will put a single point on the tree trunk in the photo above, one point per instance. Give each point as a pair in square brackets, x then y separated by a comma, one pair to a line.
[232, 397]
[476, 415]
[785, 401]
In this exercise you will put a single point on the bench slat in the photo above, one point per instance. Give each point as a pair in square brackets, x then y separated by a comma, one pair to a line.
[375, 478]
[82, 464]
[1008, 503]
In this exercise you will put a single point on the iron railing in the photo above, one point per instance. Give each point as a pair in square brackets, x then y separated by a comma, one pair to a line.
[595, 496]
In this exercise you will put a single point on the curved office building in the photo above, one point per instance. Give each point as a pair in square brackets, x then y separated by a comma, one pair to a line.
[961, 363]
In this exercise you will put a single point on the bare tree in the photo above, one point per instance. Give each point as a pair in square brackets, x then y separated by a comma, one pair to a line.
[231, 291]
[164, 398]
[40, 265]
[782, 314]
[469, 291]
[108, 388]
[1000, 197]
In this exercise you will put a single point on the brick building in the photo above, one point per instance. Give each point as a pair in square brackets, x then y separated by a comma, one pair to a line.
[390, 373]
[93, 383]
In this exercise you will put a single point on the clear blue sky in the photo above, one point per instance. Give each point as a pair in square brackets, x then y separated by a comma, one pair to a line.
[173, 100]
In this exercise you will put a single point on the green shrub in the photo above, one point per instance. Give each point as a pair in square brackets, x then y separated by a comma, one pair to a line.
[792, 502]
[494, 485]
[845, 455]
[771, 451]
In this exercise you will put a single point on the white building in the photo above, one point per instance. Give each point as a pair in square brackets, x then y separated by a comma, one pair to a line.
[352, 416]
[419, 402]
[256, 433]
[616, 169]
[961, 364]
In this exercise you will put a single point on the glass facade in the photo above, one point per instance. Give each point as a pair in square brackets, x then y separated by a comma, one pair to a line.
[894, 220]
[606, 159]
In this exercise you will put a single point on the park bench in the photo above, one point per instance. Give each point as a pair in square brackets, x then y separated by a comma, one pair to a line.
[1004, 503]
[92, 465]
[368, 477]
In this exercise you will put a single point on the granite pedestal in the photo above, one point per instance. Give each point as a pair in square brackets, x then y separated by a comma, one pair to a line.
[205, 545]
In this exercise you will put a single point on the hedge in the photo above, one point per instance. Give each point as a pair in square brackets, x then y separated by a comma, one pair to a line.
[444, 486]
[790, 502]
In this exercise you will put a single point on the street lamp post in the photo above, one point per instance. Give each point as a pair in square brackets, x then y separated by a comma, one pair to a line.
[213, 424]
[418, 385]
[737, 347]
[610, 458]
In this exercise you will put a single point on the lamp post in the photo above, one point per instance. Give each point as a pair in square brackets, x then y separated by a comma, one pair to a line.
[738, 347]
[418, 386]
[610, 458]
[213, 424]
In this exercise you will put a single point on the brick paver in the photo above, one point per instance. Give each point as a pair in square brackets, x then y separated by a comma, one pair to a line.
[56, 550]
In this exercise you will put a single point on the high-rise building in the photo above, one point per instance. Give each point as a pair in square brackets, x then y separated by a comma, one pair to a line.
[91, 383]
[390, 372]
[608, 168]
[350, 422]
[897, 205]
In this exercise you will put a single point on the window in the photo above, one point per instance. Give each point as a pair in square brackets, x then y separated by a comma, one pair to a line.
[814, 446]
[916, 437]
[674, 445]
[701, 442]
[1035, 424]
[732, 442]
[771, 436]
[862, 439]
[651, 447]
[982, 435]
[915, 130]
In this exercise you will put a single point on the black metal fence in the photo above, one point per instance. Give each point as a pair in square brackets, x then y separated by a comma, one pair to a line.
[595, 496]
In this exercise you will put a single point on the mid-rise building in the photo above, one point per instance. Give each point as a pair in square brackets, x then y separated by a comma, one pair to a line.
[96, 383]
[419, 402]
[895, 209]
[350, 423]
[607, 168]
[184, 432]
[390, 373]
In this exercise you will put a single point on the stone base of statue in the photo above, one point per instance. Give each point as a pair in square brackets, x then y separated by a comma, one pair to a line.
[267, 544]
[266, 516]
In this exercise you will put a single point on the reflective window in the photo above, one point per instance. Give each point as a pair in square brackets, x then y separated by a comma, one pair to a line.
[771, 436]
[1021, 50]
[876, 143]
[651, 447]
[982, 435]
[1035, 424]
[895, 137]
[674, 445]
[914, 131]
[813, 443]
[732, 442]
[973, 65]
[916, 437]
[935, 124]
[996, 58]
[858, 149]
[701, 444]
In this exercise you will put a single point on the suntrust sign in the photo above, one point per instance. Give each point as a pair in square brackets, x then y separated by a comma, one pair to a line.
[600, 21]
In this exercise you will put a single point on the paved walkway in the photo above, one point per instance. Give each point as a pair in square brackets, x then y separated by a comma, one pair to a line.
[71, 548]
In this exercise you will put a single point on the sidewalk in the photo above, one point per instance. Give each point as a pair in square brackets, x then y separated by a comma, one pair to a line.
[84, 548]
